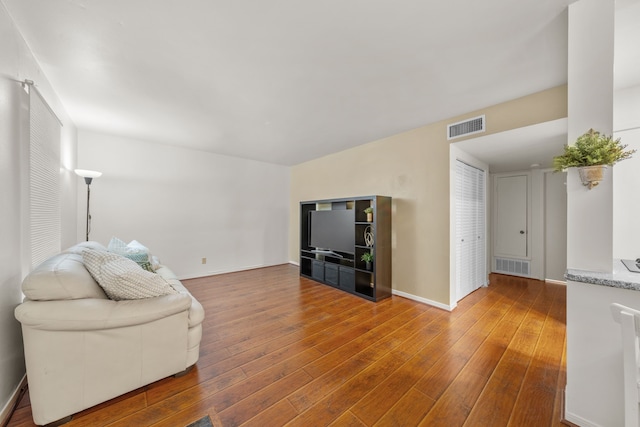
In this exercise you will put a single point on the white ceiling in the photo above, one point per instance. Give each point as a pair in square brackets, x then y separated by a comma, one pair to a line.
[519, 149]
[286, 81]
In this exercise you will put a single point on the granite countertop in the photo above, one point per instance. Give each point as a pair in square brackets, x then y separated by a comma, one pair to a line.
[621, 277]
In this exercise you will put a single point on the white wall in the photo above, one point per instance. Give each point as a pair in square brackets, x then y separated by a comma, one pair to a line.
[589, 213]
[590, 48]
[595, 393]
[185, 204]
[626, 202]
[11, 357]
[536, 230]
[555, 225]
[17, 63]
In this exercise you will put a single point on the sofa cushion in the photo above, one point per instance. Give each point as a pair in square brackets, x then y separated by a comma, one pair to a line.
[61, 277]
[123, 279]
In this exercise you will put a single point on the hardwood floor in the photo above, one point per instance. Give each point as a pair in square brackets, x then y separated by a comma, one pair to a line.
[281, 350]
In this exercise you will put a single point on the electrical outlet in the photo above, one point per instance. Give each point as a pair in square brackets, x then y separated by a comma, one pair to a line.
[204, 260]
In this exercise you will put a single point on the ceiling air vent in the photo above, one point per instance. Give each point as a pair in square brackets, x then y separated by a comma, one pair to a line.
[466, 127]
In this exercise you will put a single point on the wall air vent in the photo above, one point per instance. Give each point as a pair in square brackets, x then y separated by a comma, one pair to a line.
[466, 127]
[516, 267]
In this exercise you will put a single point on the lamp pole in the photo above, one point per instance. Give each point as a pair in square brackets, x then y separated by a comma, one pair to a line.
[88, 177]
[88, 180]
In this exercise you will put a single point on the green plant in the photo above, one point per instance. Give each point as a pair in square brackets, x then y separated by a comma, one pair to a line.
[591, 149]
[368, 210]
[367, 257]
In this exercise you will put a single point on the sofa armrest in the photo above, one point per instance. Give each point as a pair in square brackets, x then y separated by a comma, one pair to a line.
[196, 312]
[95, 314]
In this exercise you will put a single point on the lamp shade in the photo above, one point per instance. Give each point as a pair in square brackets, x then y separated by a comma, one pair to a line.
[87, 173]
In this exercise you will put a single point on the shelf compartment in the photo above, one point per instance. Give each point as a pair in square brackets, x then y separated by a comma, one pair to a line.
[361, 265]
[307, 254]
[364, 283]
[305, 266]
[360, 230]
[360, 206]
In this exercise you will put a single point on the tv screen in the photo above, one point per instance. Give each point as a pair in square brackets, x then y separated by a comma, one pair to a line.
[332, 230]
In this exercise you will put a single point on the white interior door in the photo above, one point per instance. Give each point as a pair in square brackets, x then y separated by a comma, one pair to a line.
[470, 229]
[510, 230]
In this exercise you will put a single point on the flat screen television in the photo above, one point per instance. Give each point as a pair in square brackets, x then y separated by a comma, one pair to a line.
[332, 230]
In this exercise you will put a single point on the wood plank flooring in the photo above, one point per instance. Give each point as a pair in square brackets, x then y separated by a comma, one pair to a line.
[280, 350]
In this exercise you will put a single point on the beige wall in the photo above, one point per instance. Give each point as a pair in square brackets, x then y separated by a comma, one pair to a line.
[413, 168]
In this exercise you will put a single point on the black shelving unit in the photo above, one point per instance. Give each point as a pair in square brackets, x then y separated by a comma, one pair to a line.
[347, 271]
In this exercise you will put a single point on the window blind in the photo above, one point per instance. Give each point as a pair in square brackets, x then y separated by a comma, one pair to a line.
[44, 180]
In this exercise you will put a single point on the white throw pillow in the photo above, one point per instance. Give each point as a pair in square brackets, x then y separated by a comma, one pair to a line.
[123, 279]
[133, 250]
[155, 262]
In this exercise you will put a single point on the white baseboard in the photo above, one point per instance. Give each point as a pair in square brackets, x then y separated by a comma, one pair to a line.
[8, 408]
[394, 292]
[411, 297]
[579, 421]
[423, 300]
[234, 270]
[555, 282]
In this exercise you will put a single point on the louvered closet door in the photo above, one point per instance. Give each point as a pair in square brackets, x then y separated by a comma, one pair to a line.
[470, 229]
[480, 254]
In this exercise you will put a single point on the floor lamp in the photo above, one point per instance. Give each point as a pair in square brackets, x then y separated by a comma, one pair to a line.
[88, 177]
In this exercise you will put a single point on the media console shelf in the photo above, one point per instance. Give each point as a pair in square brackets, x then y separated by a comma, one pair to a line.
[341, 266]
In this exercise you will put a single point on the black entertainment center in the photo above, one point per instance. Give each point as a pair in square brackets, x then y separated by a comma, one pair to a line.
[335, 235]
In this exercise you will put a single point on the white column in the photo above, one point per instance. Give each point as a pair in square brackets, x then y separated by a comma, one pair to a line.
[591, 399]
[590, 105]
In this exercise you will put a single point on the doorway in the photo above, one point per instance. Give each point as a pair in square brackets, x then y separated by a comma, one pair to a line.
[511, 208]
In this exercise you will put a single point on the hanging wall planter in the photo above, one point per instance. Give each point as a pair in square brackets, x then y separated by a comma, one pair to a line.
[591, 154]
[591, 175]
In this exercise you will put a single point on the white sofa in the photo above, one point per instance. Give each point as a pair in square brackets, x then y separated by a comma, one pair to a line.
[82, 348]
